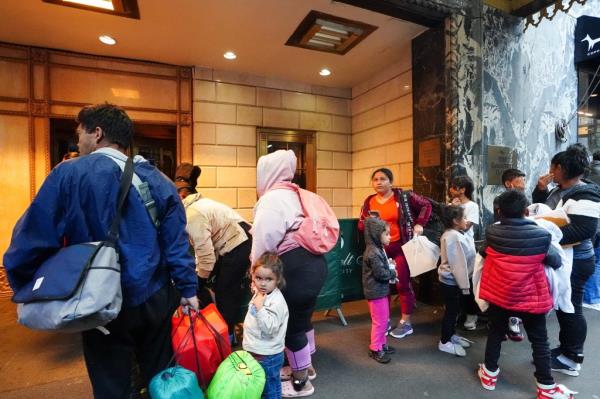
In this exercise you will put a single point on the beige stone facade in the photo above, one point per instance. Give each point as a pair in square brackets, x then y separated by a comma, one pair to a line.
[382, 129]
[228, 109]
[358, 130]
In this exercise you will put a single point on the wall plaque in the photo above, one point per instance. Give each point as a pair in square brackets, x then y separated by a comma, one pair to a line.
[499, 159]
[429, 153]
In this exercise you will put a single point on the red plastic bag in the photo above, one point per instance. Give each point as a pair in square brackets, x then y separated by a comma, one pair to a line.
[200, 341]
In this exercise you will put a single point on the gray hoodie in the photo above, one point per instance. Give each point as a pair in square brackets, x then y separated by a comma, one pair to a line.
[457, 259]
[376, 274]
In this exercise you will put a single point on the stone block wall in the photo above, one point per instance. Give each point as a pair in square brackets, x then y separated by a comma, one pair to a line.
[382, 131]
[228, 109]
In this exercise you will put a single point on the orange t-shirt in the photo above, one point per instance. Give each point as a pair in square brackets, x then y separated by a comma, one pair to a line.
[389, 213]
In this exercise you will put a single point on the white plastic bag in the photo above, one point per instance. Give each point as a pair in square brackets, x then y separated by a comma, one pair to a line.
[482, 303]
[421, 255]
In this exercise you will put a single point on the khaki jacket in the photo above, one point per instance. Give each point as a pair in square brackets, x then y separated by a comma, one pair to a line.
[214, 231]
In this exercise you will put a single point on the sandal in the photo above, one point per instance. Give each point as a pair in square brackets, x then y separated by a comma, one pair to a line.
[296, 388]
[285, 374]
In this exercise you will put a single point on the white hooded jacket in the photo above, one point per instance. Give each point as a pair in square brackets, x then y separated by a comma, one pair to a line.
[277, 212]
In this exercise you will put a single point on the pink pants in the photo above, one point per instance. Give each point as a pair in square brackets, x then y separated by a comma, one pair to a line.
[405, 291]
[380, 313]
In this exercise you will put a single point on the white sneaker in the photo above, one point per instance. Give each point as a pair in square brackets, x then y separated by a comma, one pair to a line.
[452, 348]
[554, 391]
[462, 341]
[471, 322]
[288, 390]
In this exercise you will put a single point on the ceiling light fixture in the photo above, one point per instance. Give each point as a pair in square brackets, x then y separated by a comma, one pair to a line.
[594, 95]
[324, 32]
[324, 72]
[108, 40]
[230, 55]
[105, 4]
[122, 8]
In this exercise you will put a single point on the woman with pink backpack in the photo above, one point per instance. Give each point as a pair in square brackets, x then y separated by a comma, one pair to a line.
[278, 218]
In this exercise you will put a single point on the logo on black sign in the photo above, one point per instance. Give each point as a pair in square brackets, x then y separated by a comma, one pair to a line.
[591, 42]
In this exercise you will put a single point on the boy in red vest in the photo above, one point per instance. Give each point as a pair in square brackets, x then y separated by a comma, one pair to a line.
[513, 281]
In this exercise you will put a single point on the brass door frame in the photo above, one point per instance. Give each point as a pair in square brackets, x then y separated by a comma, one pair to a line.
[306, 137]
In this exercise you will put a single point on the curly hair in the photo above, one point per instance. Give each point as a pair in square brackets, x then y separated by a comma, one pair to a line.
[574, 161]
[271, 261]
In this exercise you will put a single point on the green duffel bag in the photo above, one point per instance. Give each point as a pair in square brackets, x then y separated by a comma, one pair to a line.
[240, 376]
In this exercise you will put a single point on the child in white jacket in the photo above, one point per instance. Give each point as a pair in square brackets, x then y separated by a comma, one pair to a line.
[455, 271]
[266, 321]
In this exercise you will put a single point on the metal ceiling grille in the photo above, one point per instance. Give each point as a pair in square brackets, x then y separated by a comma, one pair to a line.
[324, 32]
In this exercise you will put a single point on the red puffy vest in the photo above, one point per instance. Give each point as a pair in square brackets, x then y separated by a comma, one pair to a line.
[516, 283]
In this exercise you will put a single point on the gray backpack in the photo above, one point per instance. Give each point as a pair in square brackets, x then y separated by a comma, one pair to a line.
[79, 287]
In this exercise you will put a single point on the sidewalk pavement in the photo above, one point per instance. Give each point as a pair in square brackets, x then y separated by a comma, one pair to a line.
[50, 366]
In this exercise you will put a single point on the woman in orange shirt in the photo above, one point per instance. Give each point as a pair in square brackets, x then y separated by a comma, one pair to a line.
[387, 204]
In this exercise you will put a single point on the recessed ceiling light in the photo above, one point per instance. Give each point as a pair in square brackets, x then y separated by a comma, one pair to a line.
[324, 72]
[230, 55]
[107, 40]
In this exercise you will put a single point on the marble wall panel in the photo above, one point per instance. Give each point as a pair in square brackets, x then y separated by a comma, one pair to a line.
[529, 83]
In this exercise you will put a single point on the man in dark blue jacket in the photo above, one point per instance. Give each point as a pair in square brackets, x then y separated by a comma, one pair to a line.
[76, 204]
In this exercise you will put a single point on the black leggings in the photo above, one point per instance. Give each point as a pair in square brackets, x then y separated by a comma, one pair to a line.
[229, 273]
[230, 270]
[573, 327]
[452, 298]
[305, 275]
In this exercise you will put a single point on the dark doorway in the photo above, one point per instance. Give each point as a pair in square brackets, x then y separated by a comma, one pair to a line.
[156, 143]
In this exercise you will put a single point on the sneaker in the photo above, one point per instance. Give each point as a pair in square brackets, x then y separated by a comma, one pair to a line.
[560, 367]
[296, 389]
[390, 350]
[402, 330]
[285, 374]
[514, 329]
[452, 348]
[487, 378]
[554, 391]
[380, 356]
[470, 322]
[462, 341]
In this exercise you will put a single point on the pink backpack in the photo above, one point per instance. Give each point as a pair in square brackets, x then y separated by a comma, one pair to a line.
[319, 231]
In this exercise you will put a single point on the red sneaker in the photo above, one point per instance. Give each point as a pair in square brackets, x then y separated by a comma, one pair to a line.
[488, 379]
[554, 391]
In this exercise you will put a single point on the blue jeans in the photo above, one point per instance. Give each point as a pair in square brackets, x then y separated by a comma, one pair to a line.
[272, 365]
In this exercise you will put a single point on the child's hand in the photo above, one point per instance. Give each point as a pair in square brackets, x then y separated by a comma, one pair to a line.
[258, 300]
[418, 230]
